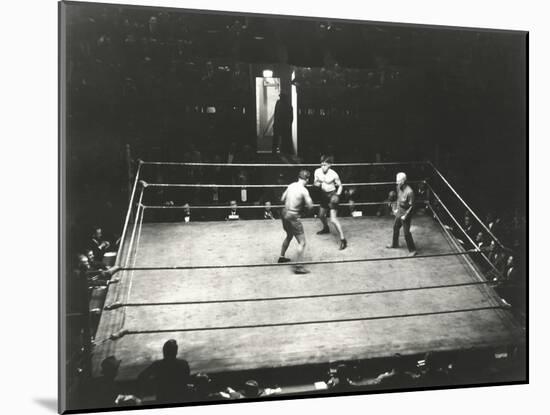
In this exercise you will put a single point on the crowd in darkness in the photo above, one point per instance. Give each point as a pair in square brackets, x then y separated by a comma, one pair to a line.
[139, 73]
[172, 380]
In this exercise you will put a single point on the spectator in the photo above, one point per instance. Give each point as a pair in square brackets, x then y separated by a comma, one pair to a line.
[93, 278]
[498, 259]
[422, 192]
[512, 286]
[268, 213]
[398, 377]
[339, 379]
[186, 212]
[104, 390]
[468, 234]
[435, 372]
[490, 219]
[510, 271]
[94, 265]
[202, 389]
[97, 244]
[170, 376]
[251, 389]
[423, 197]
[481, 241]
[233, 213]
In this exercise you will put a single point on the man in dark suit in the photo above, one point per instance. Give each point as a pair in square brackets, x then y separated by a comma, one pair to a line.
[282, 125]
[170, 376]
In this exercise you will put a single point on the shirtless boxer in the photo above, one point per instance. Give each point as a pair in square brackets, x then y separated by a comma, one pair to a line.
[295, 198]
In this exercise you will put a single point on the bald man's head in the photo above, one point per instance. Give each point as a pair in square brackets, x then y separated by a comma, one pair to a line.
[401, 178]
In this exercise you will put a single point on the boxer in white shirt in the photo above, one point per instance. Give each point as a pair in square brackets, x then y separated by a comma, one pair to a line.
[331, 188]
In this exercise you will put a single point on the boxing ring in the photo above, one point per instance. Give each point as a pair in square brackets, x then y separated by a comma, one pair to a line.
[216, 287]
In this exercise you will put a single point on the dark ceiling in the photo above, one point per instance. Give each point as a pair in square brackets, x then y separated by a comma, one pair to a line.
[306, 42]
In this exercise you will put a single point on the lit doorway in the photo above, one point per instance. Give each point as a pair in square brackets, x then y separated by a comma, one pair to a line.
[267, 95]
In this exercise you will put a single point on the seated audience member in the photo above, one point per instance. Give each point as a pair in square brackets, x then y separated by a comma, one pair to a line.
[203, 388]
[422, 192]
[169, 376]
[268, 212]
[251, 389]
[397, 377]
[434, 371]
[511, 272]
[98, 244]
[481, 241]
[353, 210]
[498, 259]
[511, 287]
[467, 227]
[233, 213]
[77, 287]
[94, 278]
[186, 213]
[422, 196]
[104, 390]
[94, 265]
[389, 207]
[339, 379]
